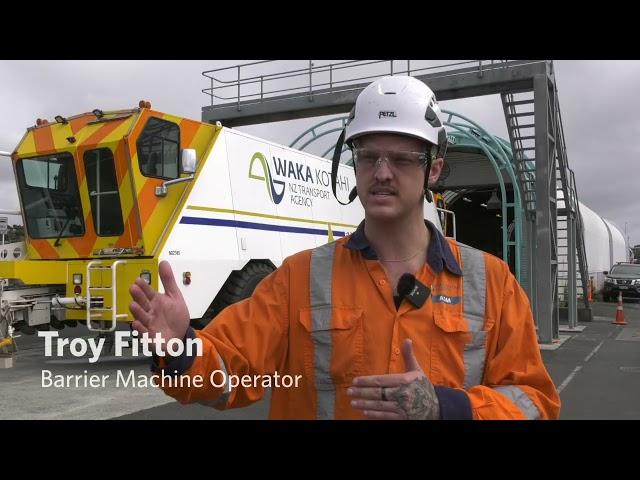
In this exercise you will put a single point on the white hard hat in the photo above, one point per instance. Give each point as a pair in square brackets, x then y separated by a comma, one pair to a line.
[395, 104]
[398, 104]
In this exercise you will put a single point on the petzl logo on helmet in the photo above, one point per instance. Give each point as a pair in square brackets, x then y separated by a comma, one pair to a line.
[387, 114]
[266, 177]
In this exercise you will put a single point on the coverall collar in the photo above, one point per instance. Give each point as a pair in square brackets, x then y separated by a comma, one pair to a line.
[439, 254]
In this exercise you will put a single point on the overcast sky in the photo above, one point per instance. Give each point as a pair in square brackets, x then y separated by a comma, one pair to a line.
[598, 101]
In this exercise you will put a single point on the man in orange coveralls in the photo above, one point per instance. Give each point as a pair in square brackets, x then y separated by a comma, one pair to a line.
[392, 322]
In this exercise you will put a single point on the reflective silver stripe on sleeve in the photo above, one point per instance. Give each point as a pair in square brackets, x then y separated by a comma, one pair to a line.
[521, 399]
[222, 399]
[474, 295]
[321, 277]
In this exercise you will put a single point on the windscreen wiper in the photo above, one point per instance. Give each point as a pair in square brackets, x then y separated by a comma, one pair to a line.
[57, 242]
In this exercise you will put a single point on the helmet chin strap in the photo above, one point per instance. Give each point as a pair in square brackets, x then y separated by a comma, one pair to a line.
[427, 193]
[337, 153]
[430, 155]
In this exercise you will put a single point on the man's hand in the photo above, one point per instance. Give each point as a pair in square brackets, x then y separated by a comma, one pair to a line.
[155, 312]
[397, 396]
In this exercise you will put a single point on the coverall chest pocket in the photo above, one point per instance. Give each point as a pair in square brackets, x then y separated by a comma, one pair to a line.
[458, 351]
[333, 345]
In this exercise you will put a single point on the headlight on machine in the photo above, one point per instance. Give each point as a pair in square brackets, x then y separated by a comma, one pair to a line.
[609, 280]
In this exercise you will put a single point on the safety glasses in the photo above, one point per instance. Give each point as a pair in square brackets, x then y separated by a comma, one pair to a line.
[367, 159]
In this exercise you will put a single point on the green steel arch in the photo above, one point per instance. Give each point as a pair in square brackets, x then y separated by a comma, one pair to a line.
[462, 133]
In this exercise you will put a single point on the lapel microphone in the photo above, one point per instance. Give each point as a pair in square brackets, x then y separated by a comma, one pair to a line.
[413, 290]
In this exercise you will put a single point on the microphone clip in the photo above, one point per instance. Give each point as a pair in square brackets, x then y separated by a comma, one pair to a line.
[413, 290]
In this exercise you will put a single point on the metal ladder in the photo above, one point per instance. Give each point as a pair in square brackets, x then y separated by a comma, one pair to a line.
[522, 138]
[96, 313]
[571, 218]
[570, 208]
[520, 116]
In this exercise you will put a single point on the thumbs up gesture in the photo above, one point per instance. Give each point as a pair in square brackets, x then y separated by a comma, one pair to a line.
[397, 396]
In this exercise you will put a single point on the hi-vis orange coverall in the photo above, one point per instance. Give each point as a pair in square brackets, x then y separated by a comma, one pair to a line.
[328, 314]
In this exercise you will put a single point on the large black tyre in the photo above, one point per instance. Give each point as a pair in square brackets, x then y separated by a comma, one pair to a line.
[55, 323]
[239, 285]
[25, 329]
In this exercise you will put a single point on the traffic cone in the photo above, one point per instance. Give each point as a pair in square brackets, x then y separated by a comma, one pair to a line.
[619, 312]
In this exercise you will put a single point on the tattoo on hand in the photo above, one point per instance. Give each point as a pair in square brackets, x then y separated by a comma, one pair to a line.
[417, 399]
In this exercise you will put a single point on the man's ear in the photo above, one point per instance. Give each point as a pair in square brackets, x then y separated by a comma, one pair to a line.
[436, 169]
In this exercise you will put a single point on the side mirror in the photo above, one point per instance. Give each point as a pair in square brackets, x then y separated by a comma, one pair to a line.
[606, 273]
[188, 165]
[188, 160]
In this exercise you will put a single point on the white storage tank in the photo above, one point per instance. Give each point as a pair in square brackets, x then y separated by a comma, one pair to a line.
[604, 243]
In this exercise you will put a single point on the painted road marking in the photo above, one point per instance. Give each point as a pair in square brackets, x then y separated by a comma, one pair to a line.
[586, 359]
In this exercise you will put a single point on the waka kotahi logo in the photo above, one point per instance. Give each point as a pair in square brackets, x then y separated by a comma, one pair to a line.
[266, 177]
